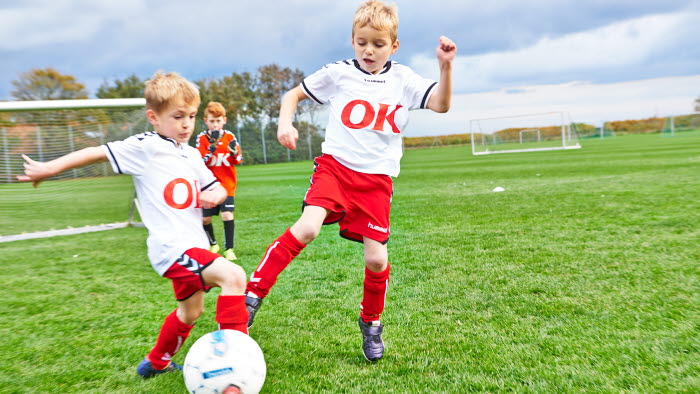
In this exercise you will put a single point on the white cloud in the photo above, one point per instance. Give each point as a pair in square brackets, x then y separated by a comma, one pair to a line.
[60, 21]
[631, 44]
[584, 102]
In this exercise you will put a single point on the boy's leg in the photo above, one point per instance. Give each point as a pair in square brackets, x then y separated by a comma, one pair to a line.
[280, 253]
[207, 214]
[209, 229]
[229, 229]
[231, 313]
[175, 331]
[284, 249]
[374, 297]
[376, 280]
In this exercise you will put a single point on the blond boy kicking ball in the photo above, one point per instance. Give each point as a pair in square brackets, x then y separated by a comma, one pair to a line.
[369, 98]
[173, 185]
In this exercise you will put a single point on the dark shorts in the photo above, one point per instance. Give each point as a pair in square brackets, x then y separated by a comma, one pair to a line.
[226, 206]
[360, 203]
[186, 272]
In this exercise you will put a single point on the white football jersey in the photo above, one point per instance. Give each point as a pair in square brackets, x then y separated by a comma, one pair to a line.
[367, 112]
[168, 178]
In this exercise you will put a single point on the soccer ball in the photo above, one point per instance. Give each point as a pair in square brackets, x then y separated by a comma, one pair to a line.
[224, 361]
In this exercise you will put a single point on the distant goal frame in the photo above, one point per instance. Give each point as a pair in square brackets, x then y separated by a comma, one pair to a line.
[566, 133]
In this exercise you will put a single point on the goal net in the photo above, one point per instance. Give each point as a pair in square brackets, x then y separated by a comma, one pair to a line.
[523, 133]
[90, 198]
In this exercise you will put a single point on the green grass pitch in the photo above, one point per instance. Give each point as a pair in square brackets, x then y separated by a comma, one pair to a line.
[582, 276]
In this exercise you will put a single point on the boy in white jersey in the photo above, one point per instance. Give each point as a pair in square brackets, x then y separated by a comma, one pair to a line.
[369, 98]
[173, 185]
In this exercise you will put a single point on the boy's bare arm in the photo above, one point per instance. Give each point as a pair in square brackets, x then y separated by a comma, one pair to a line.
[287, 135]
[211, 198]
[37, 171]
[441, 100]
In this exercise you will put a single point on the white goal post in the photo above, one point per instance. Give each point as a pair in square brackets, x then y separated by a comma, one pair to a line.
[523, 133]
[76, 201]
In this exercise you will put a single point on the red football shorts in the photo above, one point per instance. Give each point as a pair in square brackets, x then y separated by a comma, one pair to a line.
[359, 202]
[186, 272]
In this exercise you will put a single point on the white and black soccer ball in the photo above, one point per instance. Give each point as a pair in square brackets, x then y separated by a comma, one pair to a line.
[224, 361]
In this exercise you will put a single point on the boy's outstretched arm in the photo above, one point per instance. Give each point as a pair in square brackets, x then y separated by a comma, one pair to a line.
[440, 100]
[287, 135]
[37, 171]
[211, 198]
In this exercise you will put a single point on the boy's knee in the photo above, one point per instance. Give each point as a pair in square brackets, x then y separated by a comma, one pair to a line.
[233, 277]
[190, 315]
[376, 263]
[306, 234]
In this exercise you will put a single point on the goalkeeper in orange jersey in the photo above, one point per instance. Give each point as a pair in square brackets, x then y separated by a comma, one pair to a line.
[221, 152]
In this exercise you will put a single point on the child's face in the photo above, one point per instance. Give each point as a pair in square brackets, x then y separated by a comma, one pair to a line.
[373, 48]
[176, 121]
[215, 122]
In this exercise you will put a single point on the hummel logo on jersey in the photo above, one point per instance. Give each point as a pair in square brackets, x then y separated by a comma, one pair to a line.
[375, 80]
[382, 115]
[378, 228]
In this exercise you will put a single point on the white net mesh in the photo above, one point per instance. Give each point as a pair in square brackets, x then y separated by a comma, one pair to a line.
[86, 196]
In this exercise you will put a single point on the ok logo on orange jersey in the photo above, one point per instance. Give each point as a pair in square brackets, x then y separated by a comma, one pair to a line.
[220, 159]
[381, 116]
[191, 193]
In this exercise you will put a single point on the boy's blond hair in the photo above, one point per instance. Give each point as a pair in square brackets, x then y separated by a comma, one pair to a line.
[164, 88]
[214, 109]
[379, 16]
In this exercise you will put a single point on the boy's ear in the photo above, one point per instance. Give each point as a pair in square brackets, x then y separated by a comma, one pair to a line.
[151, 116]
[395, 46]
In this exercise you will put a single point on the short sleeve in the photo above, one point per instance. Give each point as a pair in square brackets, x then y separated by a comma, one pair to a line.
[127, 156]
[319, 86]
[417, 90]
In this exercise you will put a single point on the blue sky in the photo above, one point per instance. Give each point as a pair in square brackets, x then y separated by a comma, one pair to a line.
[598, 60]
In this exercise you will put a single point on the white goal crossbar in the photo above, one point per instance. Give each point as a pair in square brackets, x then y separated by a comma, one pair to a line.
[50, 105]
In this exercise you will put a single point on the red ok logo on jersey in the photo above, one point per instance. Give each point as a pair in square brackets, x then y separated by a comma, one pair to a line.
[382, 115]
[191, 194]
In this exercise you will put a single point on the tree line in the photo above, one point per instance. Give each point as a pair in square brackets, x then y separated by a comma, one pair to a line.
[252, 102]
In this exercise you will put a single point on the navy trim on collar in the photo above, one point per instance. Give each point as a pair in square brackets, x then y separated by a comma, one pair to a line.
[357, 66]
[167, 139]
[387, 66]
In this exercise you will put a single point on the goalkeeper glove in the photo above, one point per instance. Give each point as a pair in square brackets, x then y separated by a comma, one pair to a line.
[213, 136]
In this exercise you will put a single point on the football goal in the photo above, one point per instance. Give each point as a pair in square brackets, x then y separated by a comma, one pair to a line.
[80, 200]
[523, 133]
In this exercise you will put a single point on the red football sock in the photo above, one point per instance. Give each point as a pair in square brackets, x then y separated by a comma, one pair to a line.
[278, 255]
[172, 335]
[231, 313]
[375, 286]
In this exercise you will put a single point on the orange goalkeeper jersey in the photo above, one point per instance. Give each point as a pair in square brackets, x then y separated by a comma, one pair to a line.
[223, 160]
